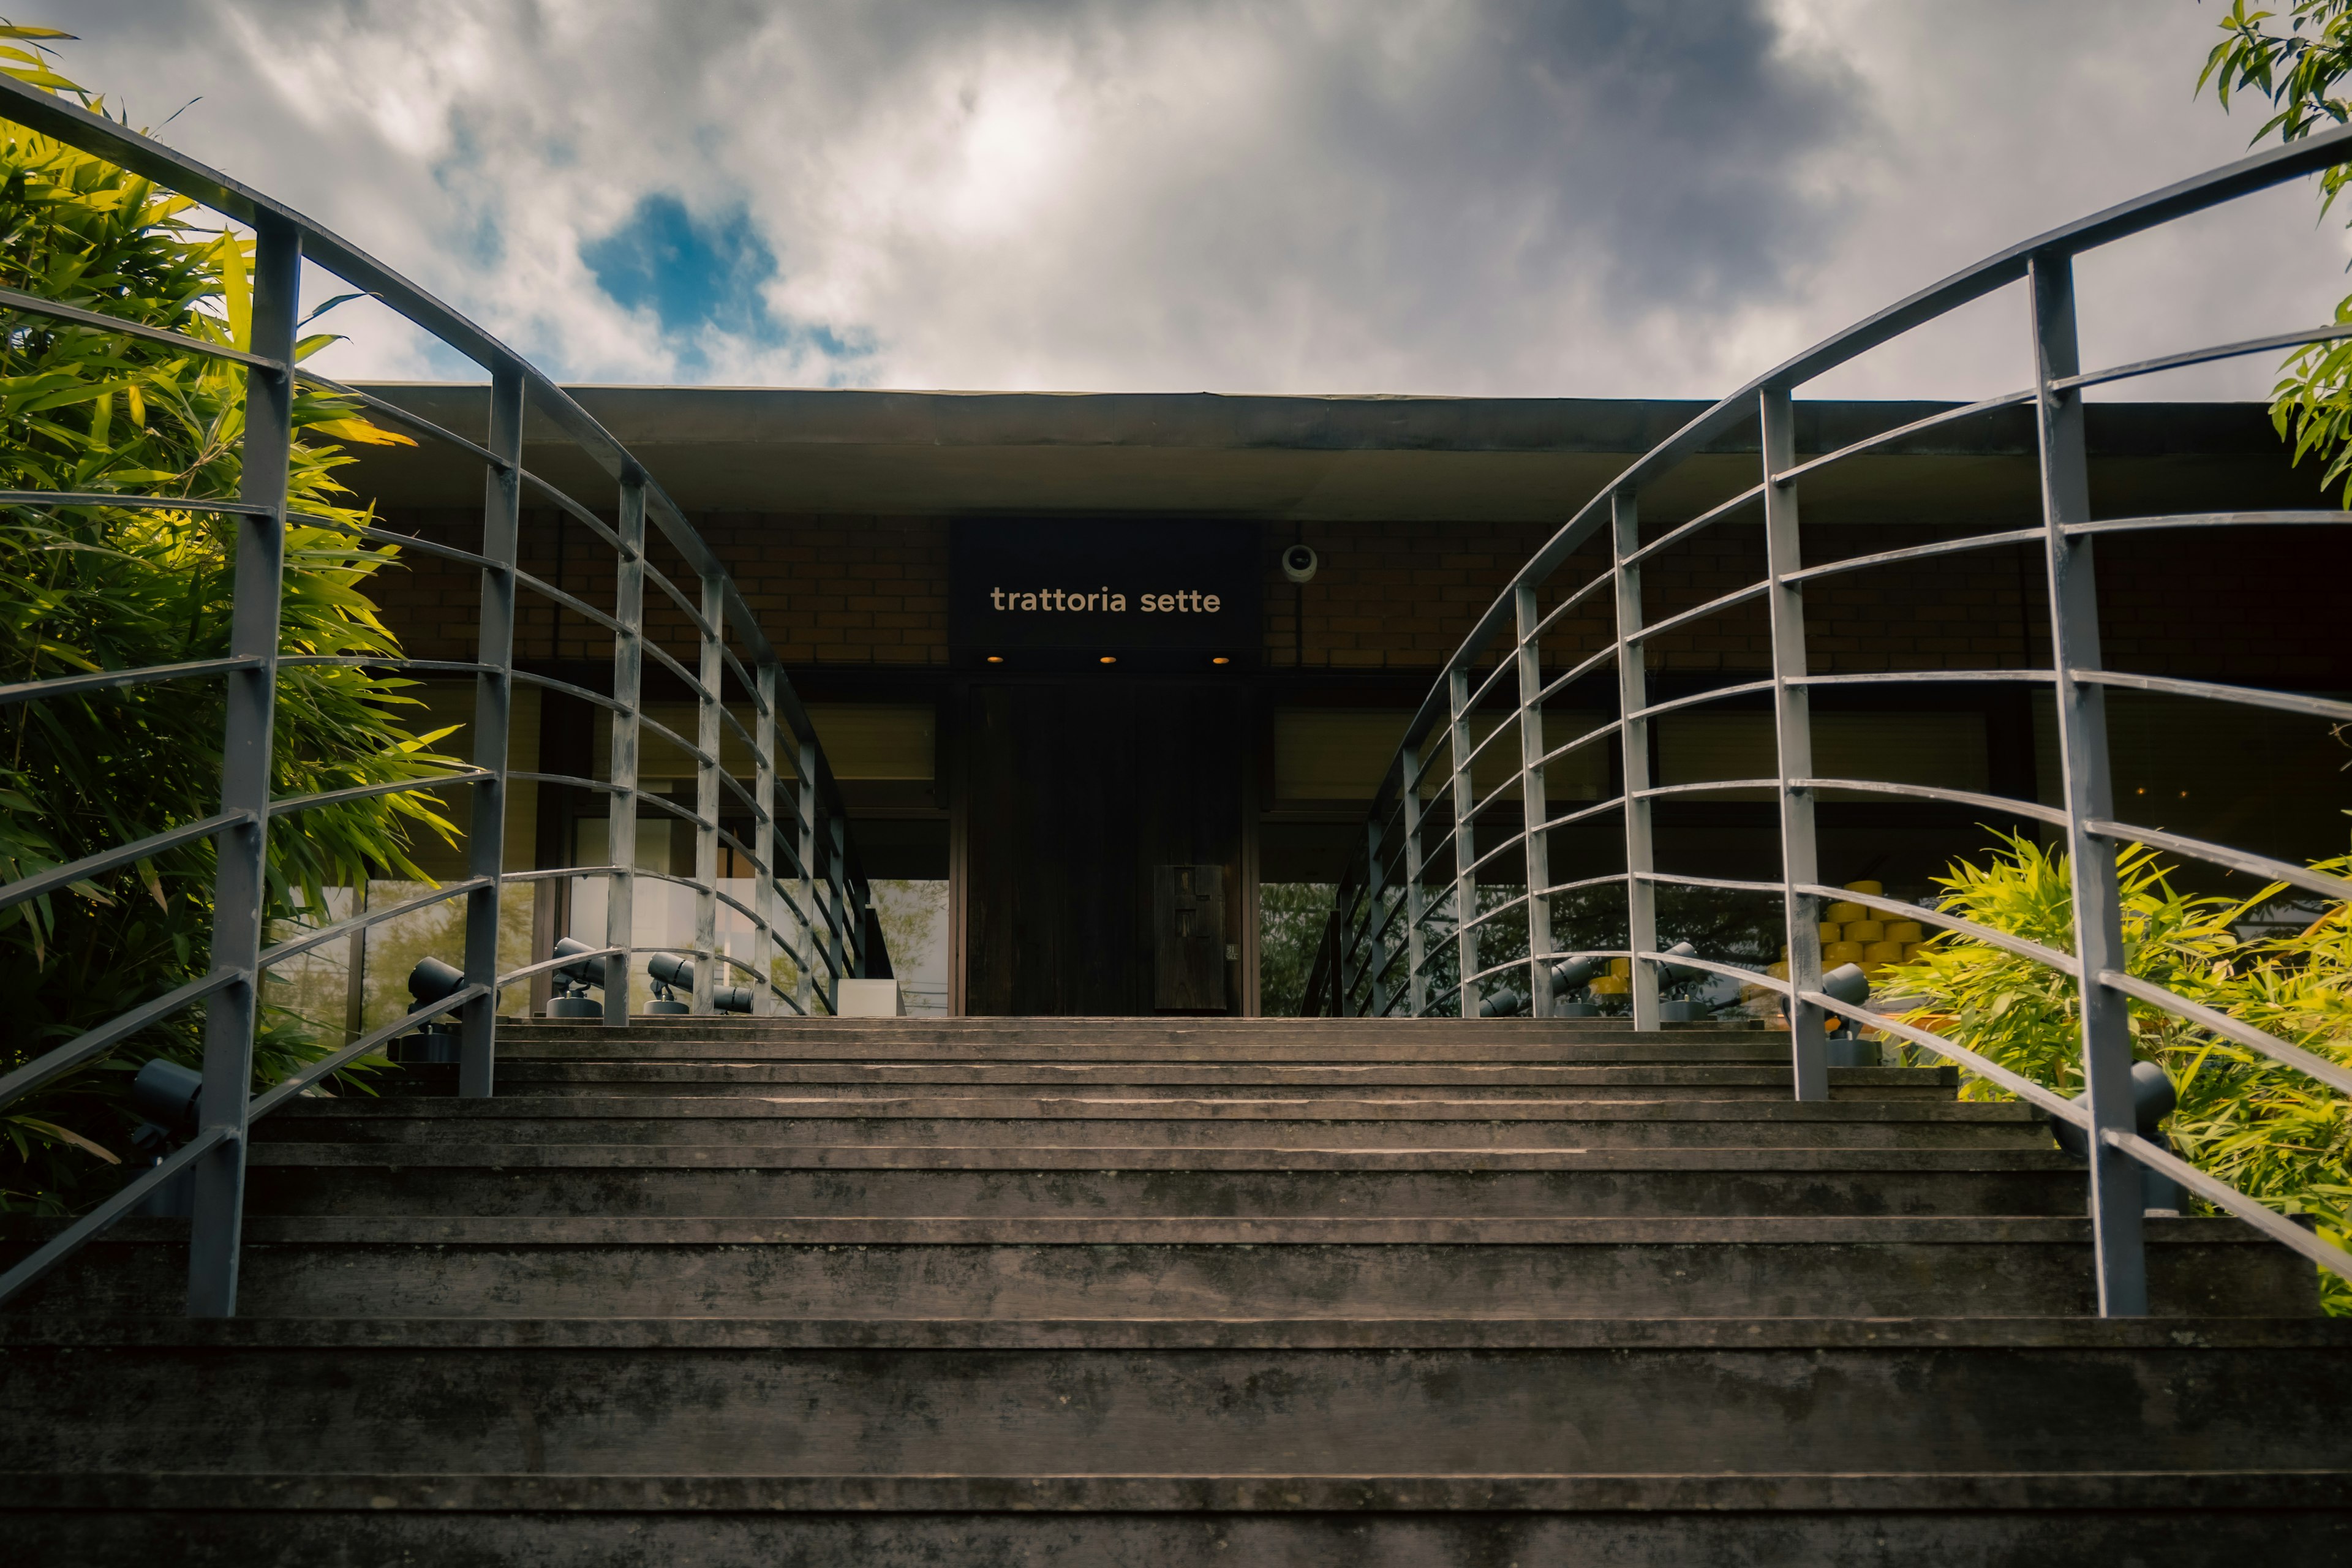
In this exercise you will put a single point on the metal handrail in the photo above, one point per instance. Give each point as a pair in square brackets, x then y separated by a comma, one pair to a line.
[828, 935]
[1447, 971]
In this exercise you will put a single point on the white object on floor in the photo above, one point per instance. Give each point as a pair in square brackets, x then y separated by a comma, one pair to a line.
[871, 999]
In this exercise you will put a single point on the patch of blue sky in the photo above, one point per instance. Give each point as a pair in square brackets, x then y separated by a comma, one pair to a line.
[702, 274]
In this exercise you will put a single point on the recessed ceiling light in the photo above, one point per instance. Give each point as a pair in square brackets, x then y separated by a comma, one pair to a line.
[1110, 658]
[996, 658]
[1219, 659]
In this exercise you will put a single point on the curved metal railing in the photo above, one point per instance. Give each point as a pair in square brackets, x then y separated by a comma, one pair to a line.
[1399, 941]
[811, 902]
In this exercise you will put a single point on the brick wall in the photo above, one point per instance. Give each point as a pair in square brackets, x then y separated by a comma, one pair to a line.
[2246, 605]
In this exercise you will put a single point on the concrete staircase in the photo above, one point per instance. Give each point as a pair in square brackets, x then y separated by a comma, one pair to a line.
[1167, 1293]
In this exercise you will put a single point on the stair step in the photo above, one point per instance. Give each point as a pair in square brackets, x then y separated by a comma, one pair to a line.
[1173, 1081]
[1011, 1118]
[353, 1179]
[1127, 1266]
[856, 1400]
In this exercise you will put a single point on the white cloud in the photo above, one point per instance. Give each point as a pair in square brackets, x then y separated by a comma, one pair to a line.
[1602, 198]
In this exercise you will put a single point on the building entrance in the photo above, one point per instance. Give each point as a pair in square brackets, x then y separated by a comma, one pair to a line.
[1076, 794]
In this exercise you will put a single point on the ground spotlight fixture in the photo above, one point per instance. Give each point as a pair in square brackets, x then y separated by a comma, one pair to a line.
[1299, 561]
[167, 1095]
[1504, 1004]
[670, 973]
[576, 979]
[1575, 973]
[435, 1040]
[2152, 1100]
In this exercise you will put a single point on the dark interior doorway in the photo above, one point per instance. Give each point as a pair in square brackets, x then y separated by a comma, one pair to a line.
[1075, 790]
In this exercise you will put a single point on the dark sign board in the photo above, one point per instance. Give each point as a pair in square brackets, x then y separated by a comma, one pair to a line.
[1056, 593]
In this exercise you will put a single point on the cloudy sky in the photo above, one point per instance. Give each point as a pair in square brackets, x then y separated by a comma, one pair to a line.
[1519, 197]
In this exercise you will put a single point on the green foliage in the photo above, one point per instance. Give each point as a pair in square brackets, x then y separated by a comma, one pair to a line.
[2299, 71]
[1290, 920]
[96, 587]
[2266, 1130]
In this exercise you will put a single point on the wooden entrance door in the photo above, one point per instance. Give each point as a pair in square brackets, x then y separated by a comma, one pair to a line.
[1073, 792]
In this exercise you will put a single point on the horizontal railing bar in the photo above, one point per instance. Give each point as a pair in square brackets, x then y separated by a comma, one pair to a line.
[1506, 967]
[662, 656]
[1588, 738]
[1552, 617]
[2003, 804]
[107, 679]
[1469, 760]
[134, 502]
[751, 742]
[662, 803]
[675, 739]
[1705, 520]
[572, 602]
[369, 662]
[2332, 332]
[288, 805]
[1705, 786]
[1583, 882]
[1716, 966]
[327, 1066]
[2025, 1088]
[678, 596]
[1503, 666]
[1714, 694]
[2221, 1195]
[549, 683]
[1510, 841]
[49, 882]
[2283, 518]
[577, 512]
[1903, 432]
[2218, 1023]
[55, 1063]
[294, 947]
[555, 873]
[572, 780]
[1918, 553]
[2024, 947]
[561, 961]
[132, 1194]
[1575, 673]
[1483, 916]
[1697, 612]
[1927, 677]
[398, 414]
[1719, 883]
[33, 305]
[1581, 812]
[2260, 865]
[396, 539]
[2247, 696]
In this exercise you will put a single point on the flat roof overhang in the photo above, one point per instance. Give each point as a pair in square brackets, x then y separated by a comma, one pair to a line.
[1279, 459]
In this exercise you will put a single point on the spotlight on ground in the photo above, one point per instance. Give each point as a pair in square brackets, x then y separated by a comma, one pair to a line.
[576, 979]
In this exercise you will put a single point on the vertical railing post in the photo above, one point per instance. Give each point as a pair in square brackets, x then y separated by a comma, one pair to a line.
[1415, 900]
[485, 836]
[2116, 1199]
[710, 674]
[1535, 804]
[1632, 695]
[1381, 947]
[836, 905]
[763, 832]
[628, 684]
[1792, 729]
[240, 876]
[1465, 873]
[808, 955]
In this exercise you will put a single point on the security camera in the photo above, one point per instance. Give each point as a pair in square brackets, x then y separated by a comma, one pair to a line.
[1299, 563]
